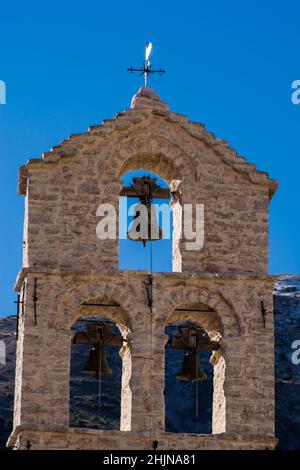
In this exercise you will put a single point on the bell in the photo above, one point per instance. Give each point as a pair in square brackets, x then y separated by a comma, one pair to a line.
[191, 370]
[93, 365]
[144, 226]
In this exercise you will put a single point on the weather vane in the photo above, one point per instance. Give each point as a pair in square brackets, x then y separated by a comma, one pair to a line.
[146, 69]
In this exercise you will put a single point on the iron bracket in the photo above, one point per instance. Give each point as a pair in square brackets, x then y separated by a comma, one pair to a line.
[35, 298]
[263, 312]
[149, 290]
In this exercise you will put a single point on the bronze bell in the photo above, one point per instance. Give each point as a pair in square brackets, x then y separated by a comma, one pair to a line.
[191, 370]
[145, 230]
[93, 365]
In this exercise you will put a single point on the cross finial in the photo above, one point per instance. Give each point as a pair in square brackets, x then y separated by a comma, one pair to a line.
[146, 69]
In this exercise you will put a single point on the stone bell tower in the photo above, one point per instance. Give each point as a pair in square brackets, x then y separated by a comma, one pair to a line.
[68, 272]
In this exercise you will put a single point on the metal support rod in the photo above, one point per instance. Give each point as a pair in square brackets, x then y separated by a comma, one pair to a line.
[34, 301]
[99, 305]
[193, 310]
[18, 301]
[23, 296]
[149, 290]
[263, 312]
[86, 320]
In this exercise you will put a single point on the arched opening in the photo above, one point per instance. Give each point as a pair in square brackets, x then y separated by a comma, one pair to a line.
[188, 402]
[155, 254]
[95, 374]
[194, 371]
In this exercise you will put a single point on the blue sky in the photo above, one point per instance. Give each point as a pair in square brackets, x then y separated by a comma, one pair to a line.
[229, 65]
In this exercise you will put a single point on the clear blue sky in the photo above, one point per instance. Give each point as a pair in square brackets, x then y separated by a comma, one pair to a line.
[230, 65]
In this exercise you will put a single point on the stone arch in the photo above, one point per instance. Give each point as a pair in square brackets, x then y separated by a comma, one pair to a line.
[219, 320]
[209, 320]
[157, 163]
[86, 389]
[165, 157]
[70, 307]
[227, 320]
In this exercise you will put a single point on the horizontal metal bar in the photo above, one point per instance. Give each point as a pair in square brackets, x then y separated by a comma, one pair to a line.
[105, 322]
[145, 70]
[193, 310]
[100, 305]
[158, 194]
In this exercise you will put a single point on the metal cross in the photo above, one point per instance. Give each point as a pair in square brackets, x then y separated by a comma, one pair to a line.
[146, 69]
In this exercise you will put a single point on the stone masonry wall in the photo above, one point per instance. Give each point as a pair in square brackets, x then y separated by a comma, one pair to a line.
[82, 439]
[70, 266]
[247, 351]
[65, 187]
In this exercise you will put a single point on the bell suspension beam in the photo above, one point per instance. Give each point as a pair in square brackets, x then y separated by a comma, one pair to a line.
[145, 189]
